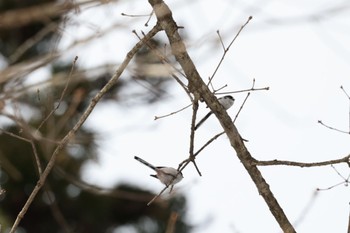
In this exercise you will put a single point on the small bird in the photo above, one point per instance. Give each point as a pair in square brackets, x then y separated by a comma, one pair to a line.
[226, 101]
[166, 175]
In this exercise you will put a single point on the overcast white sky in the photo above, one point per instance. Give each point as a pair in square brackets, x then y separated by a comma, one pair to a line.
[304, 60]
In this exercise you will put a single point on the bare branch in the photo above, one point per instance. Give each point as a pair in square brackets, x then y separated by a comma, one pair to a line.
[347, 95]
[62, 95]
[80, 122]
[335, 129]
[301, 164]
[345, 180]
[338, 173]
[192, 157]
[208, 142]
[227, 49]
[134, 16]
[331, 187]
[172, 113]
[158, 195]
[150, 16]
[330, 127]
[245, 90]
[240, 108]
[219, 89]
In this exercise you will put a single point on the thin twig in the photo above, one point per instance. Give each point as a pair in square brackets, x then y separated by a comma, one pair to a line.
[221, 40]
[335, 129]
[245, 90]
[341, 87]
[134, 16]
[149, 19]
[215, 91]
[227, 49]
[330, 127]
[182, 85]
[345, 179]
[240, 108]
[330, 187]
[193, 124]
[62, 95]
[172, 113]
[158, 195]
[208, 142]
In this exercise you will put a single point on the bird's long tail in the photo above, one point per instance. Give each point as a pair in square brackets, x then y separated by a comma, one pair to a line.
[145, 162]
[202, 121]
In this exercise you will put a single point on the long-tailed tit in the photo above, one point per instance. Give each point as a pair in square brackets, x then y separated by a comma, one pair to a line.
[226, 101]
[166, 175]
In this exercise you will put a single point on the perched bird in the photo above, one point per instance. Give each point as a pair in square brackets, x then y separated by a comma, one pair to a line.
[166, 175]
[226, 101]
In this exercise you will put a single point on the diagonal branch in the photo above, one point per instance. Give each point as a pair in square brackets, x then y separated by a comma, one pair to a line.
[226, 49]
[80, 122]
[197, 86]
